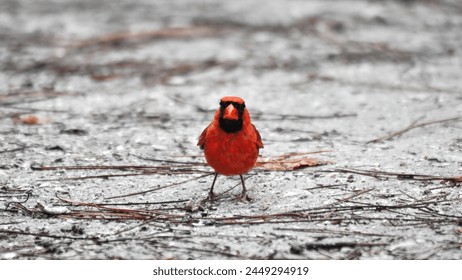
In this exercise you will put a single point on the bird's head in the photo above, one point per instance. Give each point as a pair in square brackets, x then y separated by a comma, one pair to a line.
[232, 113]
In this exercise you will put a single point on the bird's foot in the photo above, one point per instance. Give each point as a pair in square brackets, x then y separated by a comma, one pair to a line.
[210, 198]
[244, 197]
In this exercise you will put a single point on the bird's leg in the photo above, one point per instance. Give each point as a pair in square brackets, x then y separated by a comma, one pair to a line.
[243, 196]
[211, 196]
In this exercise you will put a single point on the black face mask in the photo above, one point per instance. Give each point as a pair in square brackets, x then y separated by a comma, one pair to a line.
[231, 126]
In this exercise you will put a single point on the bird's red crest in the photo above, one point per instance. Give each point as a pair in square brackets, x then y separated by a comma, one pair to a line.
[235, 99]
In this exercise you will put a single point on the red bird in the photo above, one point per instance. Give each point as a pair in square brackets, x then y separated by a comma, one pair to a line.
[231, 142]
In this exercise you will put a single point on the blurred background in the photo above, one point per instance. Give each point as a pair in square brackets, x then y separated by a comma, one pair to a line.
[85, 83]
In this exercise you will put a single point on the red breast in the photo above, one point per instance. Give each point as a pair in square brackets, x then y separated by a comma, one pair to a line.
[231, 142]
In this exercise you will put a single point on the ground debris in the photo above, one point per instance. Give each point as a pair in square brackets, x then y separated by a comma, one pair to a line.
[116, 173]
[288, 162]
[165, 33]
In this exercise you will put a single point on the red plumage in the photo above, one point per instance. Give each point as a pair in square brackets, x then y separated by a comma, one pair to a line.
[231, 142]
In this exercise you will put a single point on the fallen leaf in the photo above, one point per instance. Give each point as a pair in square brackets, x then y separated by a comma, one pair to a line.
[288, 162]
[30, 120]
[457, 179]
[102, 78]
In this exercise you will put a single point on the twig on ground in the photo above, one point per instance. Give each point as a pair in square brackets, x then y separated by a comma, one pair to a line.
[22, 97]
[414, 125]
[107, 176]
[328, 231]
[28, 193]
[356, 194]
[171, 161]
[166, 33]
[14, 150]
[275, 116]
[400, 176]
[159, 188]
[339, 245]
[137, 203]
[178, 168]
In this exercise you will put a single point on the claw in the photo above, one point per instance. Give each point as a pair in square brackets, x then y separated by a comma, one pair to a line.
[211, 197]
[244, 197]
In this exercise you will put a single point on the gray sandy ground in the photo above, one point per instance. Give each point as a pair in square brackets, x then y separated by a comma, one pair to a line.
[133, 83]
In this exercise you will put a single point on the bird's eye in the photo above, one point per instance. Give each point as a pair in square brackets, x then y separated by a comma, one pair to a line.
[224, 104]
[239, 106]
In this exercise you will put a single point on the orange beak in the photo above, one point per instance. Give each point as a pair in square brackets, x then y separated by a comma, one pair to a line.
[230, 113]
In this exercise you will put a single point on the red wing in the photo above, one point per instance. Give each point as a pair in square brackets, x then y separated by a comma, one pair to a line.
[201, 142]
[259, 142]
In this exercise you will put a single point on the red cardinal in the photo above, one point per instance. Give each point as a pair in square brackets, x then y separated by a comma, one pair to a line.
[231, 142]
